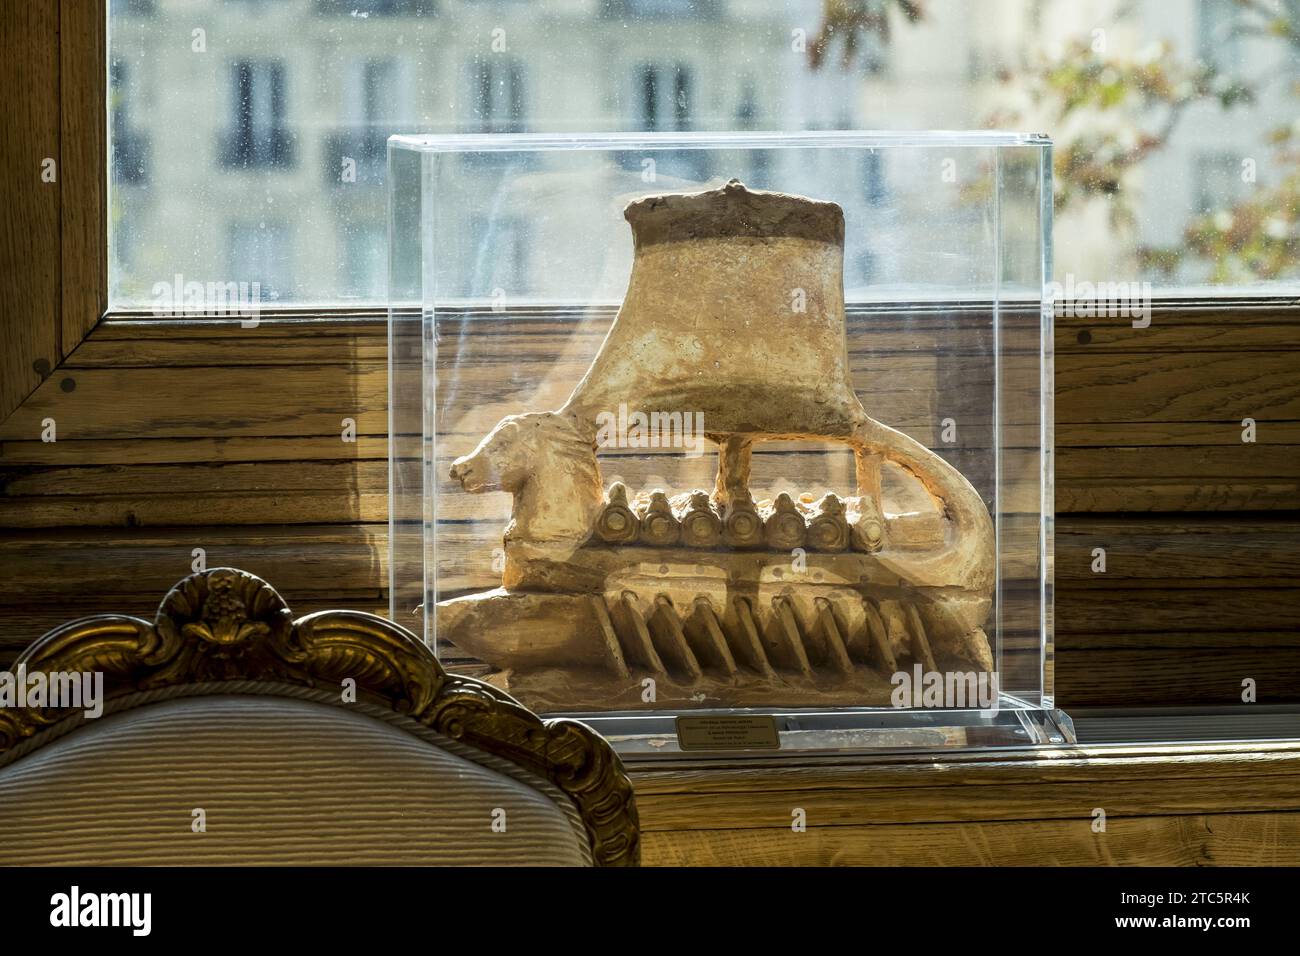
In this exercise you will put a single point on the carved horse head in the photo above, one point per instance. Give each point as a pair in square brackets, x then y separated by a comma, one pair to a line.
[548, 465]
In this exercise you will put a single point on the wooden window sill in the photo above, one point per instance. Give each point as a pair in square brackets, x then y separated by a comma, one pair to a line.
[1164, 805]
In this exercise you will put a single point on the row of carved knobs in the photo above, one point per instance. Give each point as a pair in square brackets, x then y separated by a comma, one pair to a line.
[698, 523]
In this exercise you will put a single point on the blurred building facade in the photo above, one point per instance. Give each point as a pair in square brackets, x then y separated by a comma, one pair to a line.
[248, 136]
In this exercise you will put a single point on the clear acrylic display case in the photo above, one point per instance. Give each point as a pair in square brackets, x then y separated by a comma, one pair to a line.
[856, 555]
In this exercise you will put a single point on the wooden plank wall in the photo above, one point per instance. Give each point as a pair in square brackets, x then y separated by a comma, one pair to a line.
[215, 437]
[1200, 527]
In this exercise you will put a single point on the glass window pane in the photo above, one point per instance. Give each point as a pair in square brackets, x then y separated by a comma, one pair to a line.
[248, 136]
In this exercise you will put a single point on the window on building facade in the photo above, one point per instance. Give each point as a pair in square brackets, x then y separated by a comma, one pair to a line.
[376, 91]
[664, 97]
[1217, 176]
[258, 134]
[365, 261]
[262, 253]
[498, 95]
[1218, 33]
[130, 147]
[379, 8]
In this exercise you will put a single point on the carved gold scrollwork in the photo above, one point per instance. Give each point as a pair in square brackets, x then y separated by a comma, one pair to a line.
[340, 644]
[228, 625]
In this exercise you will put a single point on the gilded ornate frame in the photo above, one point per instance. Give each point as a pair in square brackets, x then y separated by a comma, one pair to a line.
[224, 624]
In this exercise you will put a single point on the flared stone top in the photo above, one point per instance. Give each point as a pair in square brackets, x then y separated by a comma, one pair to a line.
[734, 210]
[735, 311]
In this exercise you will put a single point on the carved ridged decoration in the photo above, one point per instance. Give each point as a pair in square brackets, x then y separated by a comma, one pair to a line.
[228, 625]
[821, 642]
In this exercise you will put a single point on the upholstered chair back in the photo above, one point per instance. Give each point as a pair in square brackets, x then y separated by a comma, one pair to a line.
[232, 734]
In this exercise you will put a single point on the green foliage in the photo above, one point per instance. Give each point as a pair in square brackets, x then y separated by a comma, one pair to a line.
[1108, 114]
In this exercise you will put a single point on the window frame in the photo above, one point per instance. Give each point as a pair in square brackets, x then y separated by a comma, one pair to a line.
[58, 112]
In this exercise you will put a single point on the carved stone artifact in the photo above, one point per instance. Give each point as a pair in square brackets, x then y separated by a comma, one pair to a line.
[733, 318]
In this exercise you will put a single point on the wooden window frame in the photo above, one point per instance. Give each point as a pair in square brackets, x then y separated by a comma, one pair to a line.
[56, 251]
